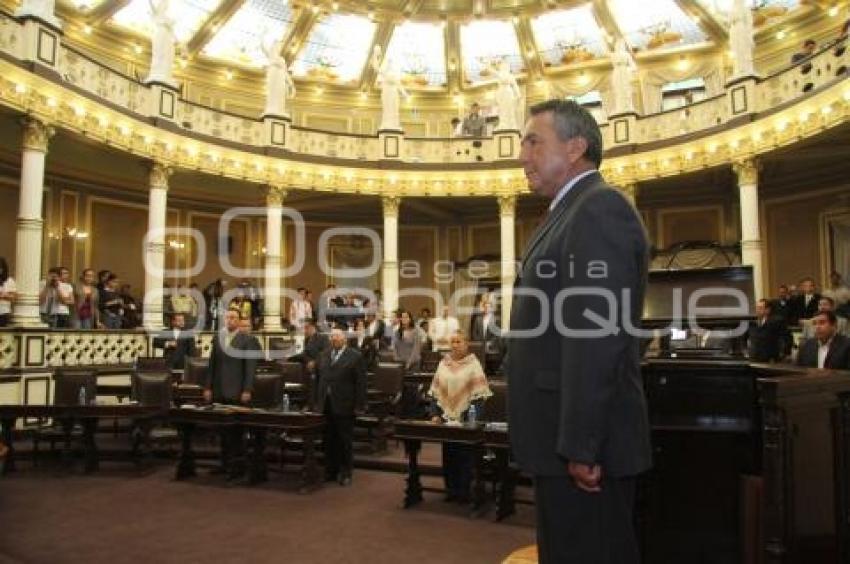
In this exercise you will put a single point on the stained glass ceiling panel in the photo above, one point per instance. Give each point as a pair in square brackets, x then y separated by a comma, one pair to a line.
[419, 49]
[337, 49]
[654, 24]
[568, 36]
[240, 38]
[767, 9]
[188, 16]
[484, 42]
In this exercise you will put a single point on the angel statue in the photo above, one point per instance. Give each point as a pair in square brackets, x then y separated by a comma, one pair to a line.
[42, 9]
[391, 88]
[621, 79]
[162, 43]
[741, 39]
[507, 95]
[279, 83]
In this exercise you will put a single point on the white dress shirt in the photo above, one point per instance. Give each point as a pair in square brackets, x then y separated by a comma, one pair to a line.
[442, 329]
[299, 310]
[823, 351]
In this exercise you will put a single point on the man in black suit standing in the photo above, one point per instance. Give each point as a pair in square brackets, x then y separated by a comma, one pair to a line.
[828, 349]
[176, 343]
[805, 304]
[340, 394]
[483, 328]
[766, 335]
[577, 414]
[230, 380]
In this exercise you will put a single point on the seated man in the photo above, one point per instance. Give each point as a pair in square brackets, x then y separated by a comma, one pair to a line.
[828, 349]
[809, 46]
[176, 343]
[824, 304]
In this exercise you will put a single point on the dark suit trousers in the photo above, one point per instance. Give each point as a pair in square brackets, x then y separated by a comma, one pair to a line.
[576, 527]
[338, 439]
[457, 469]
[232, 446]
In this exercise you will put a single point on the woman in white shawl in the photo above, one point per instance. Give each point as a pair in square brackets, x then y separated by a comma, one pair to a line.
[458, 383]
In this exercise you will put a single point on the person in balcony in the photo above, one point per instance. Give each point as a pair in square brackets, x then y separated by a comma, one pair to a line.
[474, 124]
[7, 293]
[111, 304]
[86, 302]
[55, 297]
[809, 46]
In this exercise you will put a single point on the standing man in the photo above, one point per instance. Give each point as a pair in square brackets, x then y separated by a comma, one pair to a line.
[766, 335]
[176, 343]
[578, 418]
[804, 305]
[230, 380]
[340, 394]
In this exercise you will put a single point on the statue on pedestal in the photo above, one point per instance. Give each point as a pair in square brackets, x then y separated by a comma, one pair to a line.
[621, 79]
[391, 88]
[279, 83]
[162, 43]
[507, 95]
[41, 9]
[741, 39]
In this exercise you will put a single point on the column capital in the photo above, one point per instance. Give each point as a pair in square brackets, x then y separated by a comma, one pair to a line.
[158, 176]
[391, 204]
[629, 190]
[37, 134]
[507, 204]
[274, 193]
[747, 170]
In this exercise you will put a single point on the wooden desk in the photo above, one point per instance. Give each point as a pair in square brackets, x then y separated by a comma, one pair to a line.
[306, 425]
[480, 438]
[87, 415]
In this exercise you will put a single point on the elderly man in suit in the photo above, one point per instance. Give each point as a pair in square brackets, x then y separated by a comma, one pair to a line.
[340, 393]
[230, 380]
[176, 343]
[577, 413]
[827, 349]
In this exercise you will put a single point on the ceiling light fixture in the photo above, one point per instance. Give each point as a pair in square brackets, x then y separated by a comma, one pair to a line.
[87, 29]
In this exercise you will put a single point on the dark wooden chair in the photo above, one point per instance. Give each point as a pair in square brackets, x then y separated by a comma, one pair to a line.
[268, 390]
[496, 406]
[384, 396]
[152, 388]
[431, 360]
[195, 372]
[146, 363]
[67, 384]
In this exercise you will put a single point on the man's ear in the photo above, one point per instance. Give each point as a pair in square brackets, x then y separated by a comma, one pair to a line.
[577, 147]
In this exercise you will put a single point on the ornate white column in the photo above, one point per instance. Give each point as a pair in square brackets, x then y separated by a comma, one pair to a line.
[155, 249]
[274, 229]
[751, 244]
[390, 266]
[36, 136]
[507, 216]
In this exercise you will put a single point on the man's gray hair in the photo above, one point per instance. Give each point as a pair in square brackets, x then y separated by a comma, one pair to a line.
[572, 120]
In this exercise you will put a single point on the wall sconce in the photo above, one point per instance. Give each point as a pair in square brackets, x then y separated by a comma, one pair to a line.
[176, 245]
[261, 251]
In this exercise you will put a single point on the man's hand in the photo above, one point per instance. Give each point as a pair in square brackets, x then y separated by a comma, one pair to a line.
[436, 419]
[207, 396]
[246, 398]
[311, 365]
[586, 477]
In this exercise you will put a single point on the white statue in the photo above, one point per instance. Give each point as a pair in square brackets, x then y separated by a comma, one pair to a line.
[42, 9]
[621, 79]
[279, 83]
[162, 43]
[391, 88]
[507, 95]
[741, 39]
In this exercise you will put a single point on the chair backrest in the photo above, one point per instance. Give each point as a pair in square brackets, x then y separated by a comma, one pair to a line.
[151, 388]
[293, 372]
[151, 363]
[388, 378]
[477, 348]
[431, 360]
[386, 356]
[268, 389]
[68, 383]
[496, 406]
[196, 370]
[280, 348]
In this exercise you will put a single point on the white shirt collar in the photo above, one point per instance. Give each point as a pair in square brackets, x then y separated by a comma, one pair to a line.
[567, 187]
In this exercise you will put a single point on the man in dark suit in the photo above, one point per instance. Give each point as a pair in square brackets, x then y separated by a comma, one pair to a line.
[340, 394]
[805, 304]
[828, 349]
[176, 343]
[230, 380]
[766, 335]
[577, 414]
[483, 327]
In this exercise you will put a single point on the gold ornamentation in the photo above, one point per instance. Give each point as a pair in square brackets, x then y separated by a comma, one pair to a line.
[747, 171]
[507, 204]
[275, 193]
[391, 205]
[37, 134]
[158, 177]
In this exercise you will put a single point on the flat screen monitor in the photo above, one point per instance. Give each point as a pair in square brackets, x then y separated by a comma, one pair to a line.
[723, 292]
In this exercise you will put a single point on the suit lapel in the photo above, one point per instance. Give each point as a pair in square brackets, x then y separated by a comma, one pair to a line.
[555, 215]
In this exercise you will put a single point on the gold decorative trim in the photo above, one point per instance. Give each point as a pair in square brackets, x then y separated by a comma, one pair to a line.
[391, 205]
[158, 176]
[36, 134]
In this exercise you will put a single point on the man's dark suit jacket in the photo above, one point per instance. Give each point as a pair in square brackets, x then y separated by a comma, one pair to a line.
[175, 355]
[486, 335]
[379, 330]
[837, 358]
[344, 379]
[580, 399]
[765, 341]
[315, 346]
[797, 308]
[228, 374]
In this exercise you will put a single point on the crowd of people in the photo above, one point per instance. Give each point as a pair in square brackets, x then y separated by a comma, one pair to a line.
[820, 317]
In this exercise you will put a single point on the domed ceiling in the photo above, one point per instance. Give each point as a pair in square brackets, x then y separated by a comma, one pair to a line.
[437, 44]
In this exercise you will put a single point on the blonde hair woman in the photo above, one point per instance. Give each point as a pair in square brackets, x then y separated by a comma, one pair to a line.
[458, 384]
